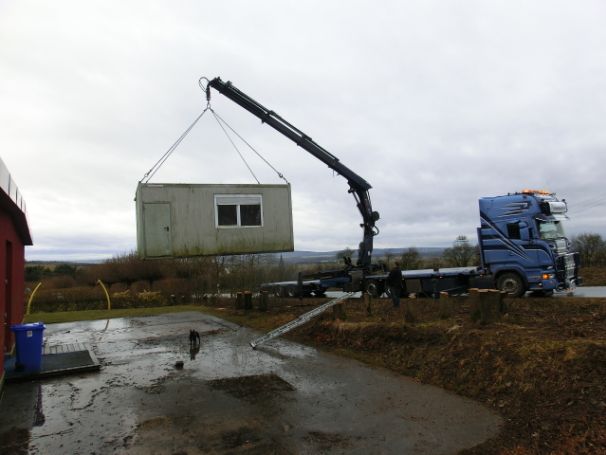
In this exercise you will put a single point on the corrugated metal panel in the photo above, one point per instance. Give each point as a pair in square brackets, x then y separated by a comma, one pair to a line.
[4, 177]
[8, 185]
[207, 219]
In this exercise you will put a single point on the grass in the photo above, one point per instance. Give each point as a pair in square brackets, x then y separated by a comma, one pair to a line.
[89, 315]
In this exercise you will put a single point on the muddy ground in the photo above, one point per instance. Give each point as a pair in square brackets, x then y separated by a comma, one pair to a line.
[284, 398]
[542, 366]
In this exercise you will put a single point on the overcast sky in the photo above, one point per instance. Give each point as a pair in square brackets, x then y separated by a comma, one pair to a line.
[435, 103]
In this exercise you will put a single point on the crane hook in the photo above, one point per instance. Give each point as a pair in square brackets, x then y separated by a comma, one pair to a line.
[205, 88]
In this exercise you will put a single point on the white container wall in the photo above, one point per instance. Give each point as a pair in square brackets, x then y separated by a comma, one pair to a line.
[181, 220]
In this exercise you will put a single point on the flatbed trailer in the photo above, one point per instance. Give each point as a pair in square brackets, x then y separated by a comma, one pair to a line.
[423, 282]
[305, 288]
[428, 282]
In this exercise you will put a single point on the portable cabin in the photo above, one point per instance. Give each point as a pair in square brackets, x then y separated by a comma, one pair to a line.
[182, 220]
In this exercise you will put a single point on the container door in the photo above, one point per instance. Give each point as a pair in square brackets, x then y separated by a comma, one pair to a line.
[156, 219]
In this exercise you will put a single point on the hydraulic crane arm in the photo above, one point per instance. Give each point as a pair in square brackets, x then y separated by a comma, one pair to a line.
[357, 185]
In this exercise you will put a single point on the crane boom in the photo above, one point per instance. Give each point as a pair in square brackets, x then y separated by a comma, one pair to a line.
[357, 185]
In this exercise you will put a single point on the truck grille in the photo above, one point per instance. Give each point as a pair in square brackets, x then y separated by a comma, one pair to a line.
[566, 267]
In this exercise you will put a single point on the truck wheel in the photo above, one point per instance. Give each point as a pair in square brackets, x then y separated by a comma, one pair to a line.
[512, 284]
[373, 288]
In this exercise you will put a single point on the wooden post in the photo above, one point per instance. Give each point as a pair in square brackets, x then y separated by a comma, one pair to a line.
[338, 312]
[248, 300]
[490, 305]
[474, 303]
[503, 303]
[300, 285]
[367, 299]
[408, 314]
[263, 301]
[445, 305]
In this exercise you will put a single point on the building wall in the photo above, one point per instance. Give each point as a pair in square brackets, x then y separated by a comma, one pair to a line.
[192, 229]
[14, 290]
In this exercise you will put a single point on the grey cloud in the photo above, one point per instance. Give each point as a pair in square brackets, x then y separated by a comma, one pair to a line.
[434, 104]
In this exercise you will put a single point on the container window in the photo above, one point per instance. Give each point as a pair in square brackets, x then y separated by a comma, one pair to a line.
[227, 215]
[239, 210]
[250, 215]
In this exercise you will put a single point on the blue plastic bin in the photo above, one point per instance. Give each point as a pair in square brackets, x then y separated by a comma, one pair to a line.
[28, 339]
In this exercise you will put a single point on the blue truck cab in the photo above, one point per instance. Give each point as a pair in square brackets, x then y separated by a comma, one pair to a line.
[523, 244]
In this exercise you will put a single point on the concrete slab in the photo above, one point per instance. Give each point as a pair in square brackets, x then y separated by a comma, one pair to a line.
[282, 398]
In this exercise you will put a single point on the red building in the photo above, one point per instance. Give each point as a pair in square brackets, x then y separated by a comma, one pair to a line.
[14, 235]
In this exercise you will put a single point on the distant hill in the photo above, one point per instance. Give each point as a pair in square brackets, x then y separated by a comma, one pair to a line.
[301, 257]
[294, 257]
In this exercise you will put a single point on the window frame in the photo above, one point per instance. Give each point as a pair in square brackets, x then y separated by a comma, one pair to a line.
[514, 228]
[559, 229]
[237, 198]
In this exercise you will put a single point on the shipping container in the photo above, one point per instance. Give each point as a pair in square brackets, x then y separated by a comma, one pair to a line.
[182, 220]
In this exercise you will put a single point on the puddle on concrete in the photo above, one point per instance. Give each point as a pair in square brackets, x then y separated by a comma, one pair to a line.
[284, 398]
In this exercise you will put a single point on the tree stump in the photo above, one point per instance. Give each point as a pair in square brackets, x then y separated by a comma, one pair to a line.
[486, 305]
[263, 301]
[490, 306]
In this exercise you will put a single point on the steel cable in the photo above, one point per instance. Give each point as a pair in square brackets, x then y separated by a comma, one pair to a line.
[219, 118]
[149, 174]
[235, 146]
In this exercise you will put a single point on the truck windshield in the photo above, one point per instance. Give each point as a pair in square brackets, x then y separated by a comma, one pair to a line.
[549, 230]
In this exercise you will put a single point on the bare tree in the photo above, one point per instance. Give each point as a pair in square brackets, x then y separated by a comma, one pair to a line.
[411, 259]
[388, 257]
[591, 248]
[461, 254]
[346, 253]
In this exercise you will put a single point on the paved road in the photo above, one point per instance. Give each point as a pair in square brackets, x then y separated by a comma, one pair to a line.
[282, 398]
[590, 291]
[581, 291]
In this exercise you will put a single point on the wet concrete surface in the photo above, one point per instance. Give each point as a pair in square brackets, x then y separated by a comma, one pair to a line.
[283, 398]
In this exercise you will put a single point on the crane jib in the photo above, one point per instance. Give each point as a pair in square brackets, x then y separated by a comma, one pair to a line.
[358, 186]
